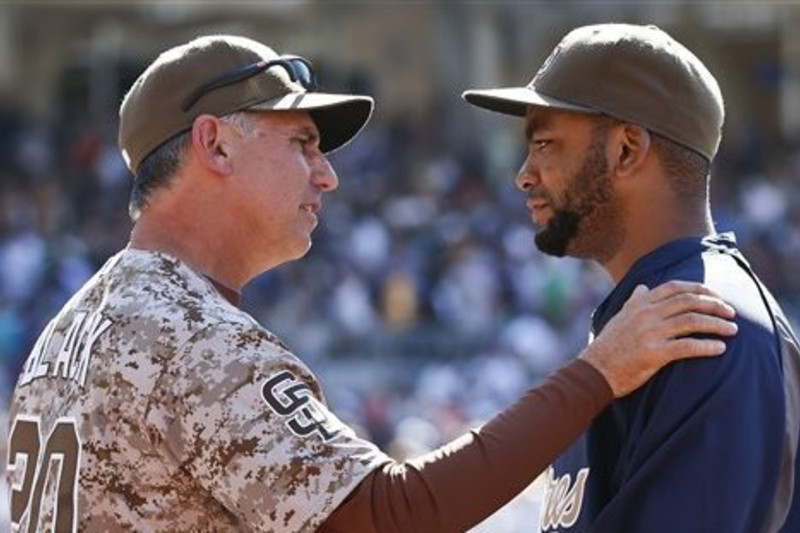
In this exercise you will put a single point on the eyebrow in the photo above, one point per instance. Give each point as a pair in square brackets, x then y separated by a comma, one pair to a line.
[534, 124]
[307, 131]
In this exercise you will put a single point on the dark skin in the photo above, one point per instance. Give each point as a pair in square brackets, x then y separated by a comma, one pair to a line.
[632, 211]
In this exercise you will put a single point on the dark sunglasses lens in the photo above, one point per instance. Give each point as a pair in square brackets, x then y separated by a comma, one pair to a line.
[304, 74]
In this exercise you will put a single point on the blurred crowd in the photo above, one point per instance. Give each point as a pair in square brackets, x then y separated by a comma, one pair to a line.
[423, 305]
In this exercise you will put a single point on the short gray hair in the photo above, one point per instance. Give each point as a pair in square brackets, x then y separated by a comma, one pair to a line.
[159, 168]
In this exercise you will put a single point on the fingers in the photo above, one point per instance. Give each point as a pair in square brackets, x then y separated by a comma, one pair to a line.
[697, 323]
[686, 348]
[699, 303]
[675, 297]
[639, 292]
[658, 326]
[638, 297]
[675, 287]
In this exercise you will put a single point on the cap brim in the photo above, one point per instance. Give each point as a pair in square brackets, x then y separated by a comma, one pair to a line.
[338, 117]
[515, 101]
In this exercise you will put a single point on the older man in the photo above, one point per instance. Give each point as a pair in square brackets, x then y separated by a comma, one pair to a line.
[152, 402]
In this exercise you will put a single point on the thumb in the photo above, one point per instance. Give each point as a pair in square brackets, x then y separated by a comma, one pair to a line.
[638, 293]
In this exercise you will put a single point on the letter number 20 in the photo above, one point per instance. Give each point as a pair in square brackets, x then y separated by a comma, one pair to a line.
[25, 451]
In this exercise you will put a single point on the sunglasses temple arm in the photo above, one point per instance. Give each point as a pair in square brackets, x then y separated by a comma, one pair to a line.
[249, 72]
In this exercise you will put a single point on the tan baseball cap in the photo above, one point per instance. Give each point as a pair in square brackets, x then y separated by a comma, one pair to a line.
[184, 82]
[638, 74]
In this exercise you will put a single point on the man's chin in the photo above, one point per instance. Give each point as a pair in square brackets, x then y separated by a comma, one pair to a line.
[556, 236]
[302, 250]
[297, 252]
[550, 244]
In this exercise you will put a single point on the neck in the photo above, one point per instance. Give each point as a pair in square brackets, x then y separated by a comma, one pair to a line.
[652, 230]
[178, 237]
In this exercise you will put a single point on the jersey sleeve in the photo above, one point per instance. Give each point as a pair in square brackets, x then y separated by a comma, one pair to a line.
[702, 444]
[247, 420]
[461, 483]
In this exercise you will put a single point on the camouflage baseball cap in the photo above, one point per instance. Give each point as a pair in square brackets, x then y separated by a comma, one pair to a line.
[638, 74]
[221, 74]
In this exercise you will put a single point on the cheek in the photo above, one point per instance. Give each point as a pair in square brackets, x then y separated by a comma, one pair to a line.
[280, 180]
[553, 174]
[554, 186]
[564, 183]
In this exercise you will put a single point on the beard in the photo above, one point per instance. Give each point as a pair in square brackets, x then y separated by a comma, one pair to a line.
[587, 224]
[556, 236]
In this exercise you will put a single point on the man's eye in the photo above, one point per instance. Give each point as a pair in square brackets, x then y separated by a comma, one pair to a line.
[541, 144]
[307, 141]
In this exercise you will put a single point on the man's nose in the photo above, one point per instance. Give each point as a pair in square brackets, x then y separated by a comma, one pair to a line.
[323, 175]
[527, 176]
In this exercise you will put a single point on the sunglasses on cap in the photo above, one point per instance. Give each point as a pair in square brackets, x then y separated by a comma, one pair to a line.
[298, 68]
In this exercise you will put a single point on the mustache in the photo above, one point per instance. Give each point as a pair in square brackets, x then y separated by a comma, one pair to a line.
[539, 194]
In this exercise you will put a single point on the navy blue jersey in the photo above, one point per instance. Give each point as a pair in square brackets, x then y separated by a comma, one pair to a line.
[707, 445]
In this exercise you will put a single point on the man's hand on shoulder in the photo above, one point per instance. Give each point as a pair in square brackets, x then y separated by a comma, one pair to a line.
[653, 329]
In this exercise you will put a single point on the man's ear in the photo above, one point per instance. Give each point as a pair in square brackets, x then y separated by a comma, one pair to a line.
[630, 148]
[211, 144]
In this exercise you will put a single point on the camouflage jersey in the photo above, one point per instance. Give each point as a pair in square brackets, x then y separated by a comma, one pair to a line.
[151, 403]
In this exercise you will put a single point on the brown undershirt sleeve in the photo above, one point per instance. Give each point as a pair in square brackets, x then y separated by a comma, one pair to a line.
[463, 482]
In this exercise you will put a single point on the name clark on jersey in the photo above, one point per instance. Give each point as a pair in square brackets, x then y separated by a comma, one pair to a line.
[74, 353]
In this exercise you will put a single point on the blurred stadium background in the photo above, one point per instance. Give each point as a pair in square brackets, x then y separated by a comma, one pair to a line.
[423, 306]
